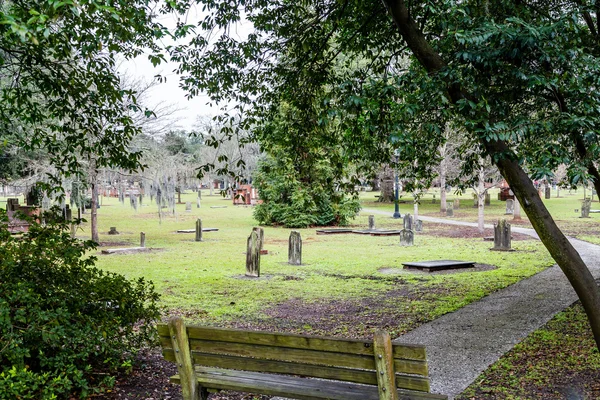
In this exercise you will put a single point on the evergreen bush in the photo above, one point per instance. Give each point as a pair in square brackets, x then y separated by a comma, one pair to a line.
[65, 325]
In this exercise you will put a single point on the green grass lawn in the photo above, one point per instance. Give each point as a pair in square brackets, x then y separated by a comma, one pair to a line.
[359, 276]
[561, 208]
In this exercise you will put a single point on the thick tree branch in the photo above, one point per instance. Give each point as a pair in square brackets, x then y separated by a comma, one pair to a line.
[555, 241]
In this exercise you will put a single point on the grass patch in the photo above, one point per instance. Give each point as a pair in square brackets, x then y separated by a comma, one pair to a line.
[204, 281]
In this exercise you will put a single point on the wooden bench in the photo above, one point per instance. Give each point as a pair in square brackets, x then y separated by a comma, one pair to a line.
[294, 366]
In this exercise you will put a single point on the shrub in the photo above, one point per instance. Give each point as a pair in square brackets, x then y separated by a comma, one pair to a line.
[300, 196]
[64, 322]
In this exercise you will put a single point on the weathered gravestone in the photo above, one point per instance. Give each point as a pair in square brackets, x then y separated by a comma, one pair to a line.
[198, 230]
[517, 209]
[547, 192]
[295, 248]
[449, 209]
[407, 237]
[488, 199]
[585, 208]
[418, 225]
[408, 222]
[456, 204]
[433, 200]
[261, 236]
[253, 255]
[371, 222]
[142, 239]
[113, 231]
[199, 198]
[510, 207]
[188, 206]
[502, 236]
[475, 201]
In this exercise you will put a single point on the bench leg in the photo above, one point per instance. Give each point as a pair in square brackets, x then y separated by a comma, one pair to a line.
[203, 393]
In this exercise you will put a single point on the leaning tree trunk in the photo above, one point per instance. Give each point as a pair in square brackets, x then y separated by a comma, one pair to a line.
[553, 239]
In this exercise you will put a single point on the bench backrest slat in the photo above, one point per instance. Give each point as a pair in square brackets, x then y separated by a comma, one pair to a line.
[329, 358]
[316, 371]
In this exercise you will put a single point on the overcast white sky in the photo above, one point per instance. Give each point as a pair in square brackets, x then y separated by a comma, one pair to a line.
[169, 91]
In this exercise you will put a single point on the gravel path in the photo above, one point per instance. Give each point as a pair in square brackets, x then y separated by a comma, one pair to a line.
[462, 344]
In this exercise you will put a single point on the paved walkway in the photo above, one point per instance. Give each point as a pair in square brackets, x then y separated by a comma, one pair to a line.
[462, 344]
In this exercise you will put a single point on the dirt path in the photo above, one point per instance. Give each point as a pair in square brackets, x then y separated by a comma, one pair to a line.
[462, 344]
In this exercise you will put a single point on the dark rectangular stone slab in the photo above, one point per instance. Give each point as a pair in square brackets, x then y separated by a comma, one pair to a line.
[438, 265]
[333, 231]
[194, 231]
[385, 233]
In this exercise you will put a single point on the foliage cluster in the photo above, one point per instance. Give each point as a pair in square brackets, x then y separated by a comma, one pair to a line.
[298, 197]
[63, 322]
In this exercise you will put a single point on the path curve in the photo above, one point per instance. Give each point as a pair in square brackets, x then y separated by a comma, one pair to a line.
[463, 344]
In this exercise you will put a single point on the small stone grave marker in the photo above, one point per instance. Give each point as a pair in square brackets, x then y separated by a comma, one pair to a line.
[113, 231]
[510, 207]
[371, 222]
[408, 222]
[456, 204]
[418, 225]
[407, 237]
[547, 192]
[295, 248]
[449, 209]
[585, 208]
[142, 239]
[188, 206]
[502, 236]
[198, 230]
[333, 231]
[488, 199]
[253, 255]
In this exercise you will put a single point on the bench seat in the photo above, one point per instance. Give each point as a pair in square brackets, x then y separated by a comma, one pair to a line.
[215, 379]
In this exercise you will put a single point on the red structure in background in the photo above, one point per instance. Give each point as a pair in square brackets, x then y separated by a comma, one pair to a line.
[245, 195]
[16, 225]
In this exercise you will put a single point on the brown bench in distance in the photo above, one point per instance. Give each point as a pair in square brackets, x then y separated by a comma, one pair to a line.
[293, 366]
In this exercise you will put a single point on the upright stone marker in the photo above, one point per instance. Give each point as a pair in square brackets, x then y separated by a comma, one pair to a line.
[295, 248]
[456, 204]
[198, 230]
[253, 255]
[517, 209]
[547, 192]
[407, 237]
[188, 206]
[502, 239]
[450, 209]
[113, 231]
[142, 239]
[371, 222]
[261, 236]
[585, 208]
[418, 225]
[199, 198]
[510, 207]
[433, 200]
[488, 199]
[408, 222]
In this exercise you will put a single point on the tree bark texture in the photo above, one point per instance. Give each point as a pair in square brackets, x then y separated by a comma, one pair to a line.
[553, 239]
[295, 248]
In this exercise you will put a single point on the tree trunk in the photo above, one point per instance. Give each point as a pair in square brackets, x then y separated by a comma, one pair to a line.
[94, 205]
[443, 172]
[555, 241]
[480, 206]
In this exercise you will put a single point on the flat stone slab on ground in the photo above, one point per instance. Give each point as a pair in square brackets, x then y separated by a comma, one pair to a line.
[437, 265]
[332, 231]
[126, 250]
[385, 233]
[218, 206]
[594, 211]
[194, 231]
